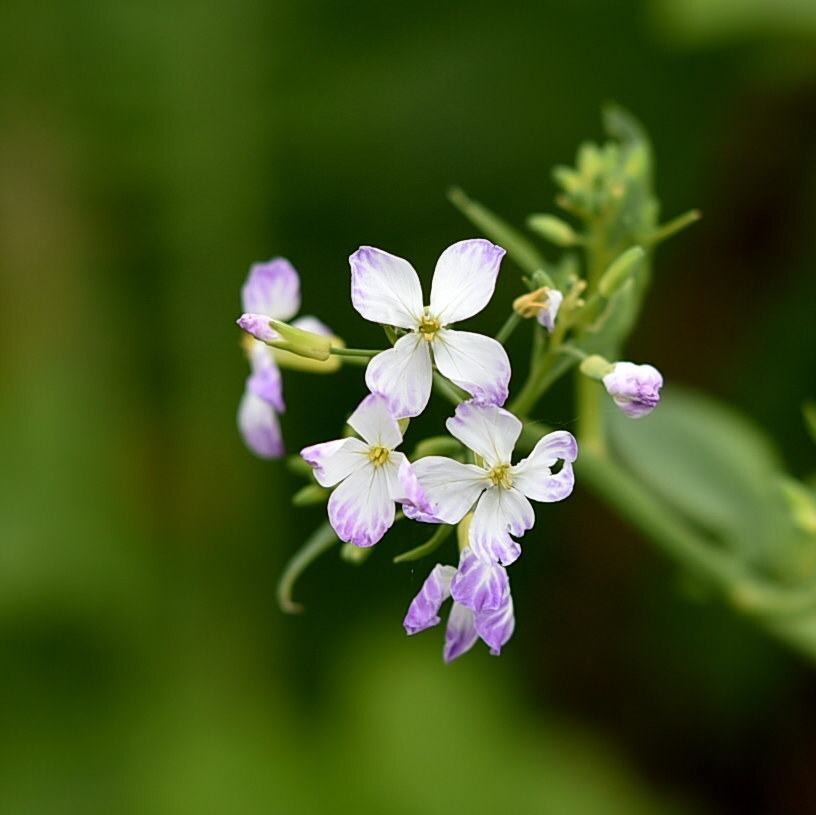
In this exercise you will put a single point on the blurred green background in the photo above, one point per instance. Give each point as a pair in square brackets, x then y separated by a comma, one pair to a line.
[149, 152]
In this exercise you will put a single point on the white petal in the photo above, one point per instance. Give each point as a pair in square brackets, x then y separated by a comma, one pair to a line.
[479, 585]
[474, 362]
[403, 375]
[374, 422]
[533, 475]
[385, 289]
[450, 486]
[360, 509]
[460, 634]
[272, 289]
[258, 423]
[335, 460]
[491, 432]
[500, 512]
[464, 280]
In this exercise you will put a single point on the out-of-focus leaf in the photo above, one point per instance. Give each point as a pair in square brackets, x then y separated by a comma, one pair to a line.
[720, 471]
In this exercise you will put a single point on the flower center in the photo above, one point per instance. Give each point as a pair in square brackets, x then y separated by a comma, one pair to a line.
[378, 455]
[500, 476]
[428, 326]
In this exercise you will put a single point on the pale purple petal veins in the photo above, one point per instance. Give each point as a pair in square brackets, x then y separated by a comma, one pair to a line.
[265, 380]
[257, 325]
[479, 585]
[335, 460]
[403, 374]
[496, 626]
[499, 514]
[309, 323]
[635, 388]
[259, 426]
[533, 475]
[476, 363]
[548, 315]
[424, 609]
[272, 289]
[489, 431]
[409, 493]
[385, 288]
[450, 487]
[460, 633]
[464, 280]
[360, 509]
[375, 423]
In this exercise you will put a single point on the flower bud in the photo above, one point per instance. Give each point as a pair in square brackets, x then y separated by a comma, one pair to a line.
[635, 388]
[287, 337]
[259, 326]
[553, 229]
[620, 270]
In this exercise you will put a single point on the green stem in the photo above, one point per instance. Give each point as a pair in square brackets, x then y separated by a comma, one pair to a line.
[448, 390]
[439, 536]
[510, 325]
[355, 352]
[589, 398]
[551, 368]
[322, 539]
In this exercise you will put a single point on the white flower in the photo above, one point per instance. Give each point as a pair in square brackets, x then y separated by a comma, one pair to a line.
[499, 488]
[385, 289]
[635, 388]
[367, 473]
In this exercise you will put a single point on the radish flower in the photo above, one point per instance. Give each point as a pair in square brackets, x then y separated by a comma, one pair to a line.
[385, 289]
[499, 489]
[635, 388]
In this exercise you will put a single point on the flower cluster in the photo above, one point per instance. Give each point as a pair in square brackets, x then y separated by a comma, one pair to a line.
[479, 488]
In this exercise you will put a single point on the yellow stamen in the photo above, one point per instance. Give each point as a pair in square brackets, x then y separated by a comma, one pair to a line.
[428, 327]
[500, 476]
[378, 455]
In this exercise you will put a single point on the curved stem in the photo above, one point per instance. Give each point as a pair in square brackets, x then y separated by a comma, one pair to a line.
[354, 352]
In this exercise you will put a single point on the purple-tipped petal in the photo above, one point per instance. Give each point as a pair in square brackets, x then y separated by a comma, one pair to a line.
[385, 288]
[415, 503]
[265, 380]
[259, 426]
[476, 363]
[464, 280]
[375, 423]
[489, 431]
[500, 514]
[360, 508]
[272, 289]
[496, 626]
[403, 374]
[533, 476]
[460, 632]
[257, 325]
[335, 460]
[479, 585]
[548, 315]
[635, 388]
[424, 609]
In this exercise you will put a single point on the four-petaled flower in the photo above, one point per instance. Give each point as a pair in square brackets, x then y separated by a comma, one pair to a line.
[635, 388]
[482, 605]
[499, 488]
[271, 290]
[386, 289]
[367, 473]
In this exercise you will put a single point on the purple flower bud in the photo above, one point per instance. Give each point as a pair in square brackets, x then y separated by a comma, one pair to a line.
[635, 388]
[258, 326]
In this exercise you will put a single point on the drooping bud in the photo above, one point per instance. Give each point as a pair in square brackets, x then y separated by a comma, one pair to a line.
[543, 304]
[258, 326]
[554, 230]
[620, 270]
[287, 337]
[635, 388]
